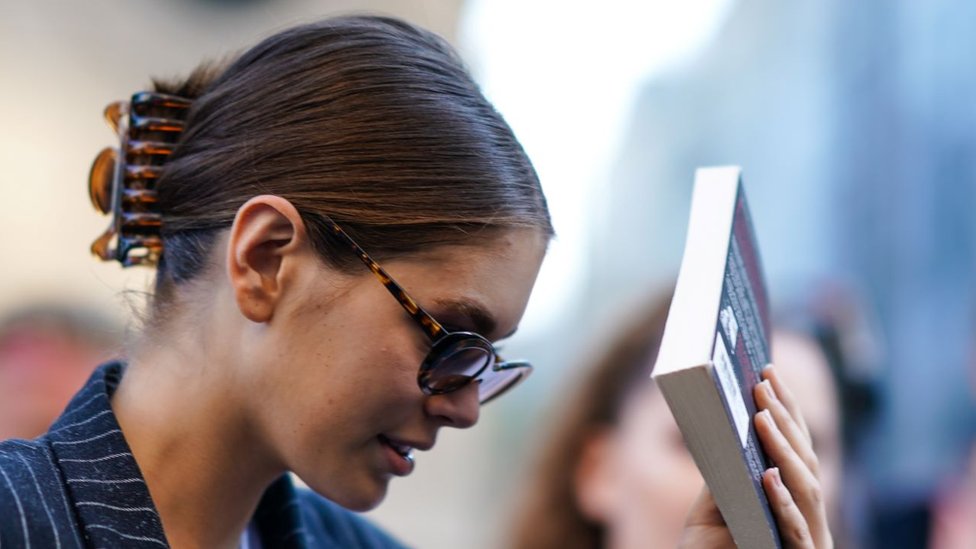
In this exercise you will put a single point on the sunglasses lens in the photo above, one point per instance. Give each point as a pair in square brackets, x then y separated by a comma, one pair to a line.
[456, 366]
[494, 383]
[100, 179]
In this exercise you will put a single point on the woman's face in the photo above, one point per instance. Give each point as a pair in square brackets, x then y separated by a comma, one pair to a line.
[641, 480]
[338, 381]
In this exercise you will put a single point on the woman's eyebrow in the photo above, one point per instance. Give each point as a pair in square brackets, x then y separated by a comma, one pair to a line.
[484, 322]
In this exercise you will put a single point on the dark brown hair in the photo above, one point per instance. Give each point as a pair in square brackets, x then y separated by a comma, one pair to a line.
[550, 517]
[369, 120]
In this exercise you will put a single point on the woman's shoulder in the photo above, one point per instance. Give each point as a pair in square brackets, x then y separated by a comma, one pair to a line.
[32, 496]
[329, 524]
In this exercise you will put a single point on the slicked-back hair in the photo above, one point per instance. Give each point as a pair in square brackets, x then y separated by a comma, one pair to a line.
[369, 120]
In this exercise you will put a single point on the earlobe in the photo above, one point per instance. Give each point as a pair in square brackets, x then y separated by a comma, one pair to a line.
[593, 477]
[267, 233]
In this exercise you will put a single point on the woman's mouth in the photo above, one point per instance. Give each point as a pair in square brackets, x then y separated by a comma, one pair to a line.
[399, 455]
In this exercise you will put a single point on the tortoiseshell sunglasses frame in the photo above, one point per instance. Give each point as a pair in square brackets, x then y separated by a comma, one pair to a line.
[441, 338]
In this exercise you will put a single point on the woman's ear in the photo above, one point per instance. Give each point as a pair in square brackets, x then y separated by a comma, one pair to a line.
[266, 234]
[594, 478]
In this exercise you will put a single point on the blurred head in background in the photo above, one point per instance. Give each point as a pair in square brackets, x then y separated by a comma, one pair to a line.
[617, 473]
[46, 354]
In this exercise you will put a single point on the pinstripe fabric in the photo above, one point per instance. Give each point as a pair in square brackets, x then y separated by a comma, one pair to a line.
[79, 486]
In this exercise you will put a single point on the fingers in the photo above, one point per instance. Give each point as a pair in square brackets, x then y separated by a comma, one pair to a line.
[766, 399]
[785, 396]
[792, 523]
[803, 484]
[794, 474]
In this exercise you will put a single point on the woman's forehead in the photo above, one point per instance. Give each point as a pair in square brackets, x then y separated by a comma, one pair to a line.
[487, 285]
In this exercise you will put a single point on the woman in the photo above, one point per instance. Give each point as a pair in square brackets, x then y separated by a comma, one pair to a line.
[275, 342]
[617, 474]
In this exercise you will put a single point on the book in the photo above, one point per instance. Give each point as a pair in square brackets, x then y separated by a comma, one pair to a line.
[714, 348]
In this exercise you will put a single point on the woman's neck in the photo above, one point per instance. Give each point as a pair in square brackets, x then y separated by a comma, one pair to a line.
[204, 463]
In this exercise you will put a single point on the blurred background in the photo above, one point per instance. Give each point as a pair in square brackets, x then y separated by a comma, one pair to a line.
[854, 122]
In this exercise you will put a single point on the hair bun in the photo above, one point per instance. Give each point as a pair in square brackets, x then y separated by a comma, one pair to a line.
[122, 181]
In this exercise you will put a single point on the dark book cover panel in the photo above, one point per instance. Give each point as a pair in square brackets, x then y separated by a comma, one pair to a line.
[746, 254]
[741, 348]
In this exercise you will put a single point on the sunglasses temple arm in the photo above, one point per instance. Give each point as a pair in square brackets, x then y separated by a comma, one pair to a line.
[431, 327]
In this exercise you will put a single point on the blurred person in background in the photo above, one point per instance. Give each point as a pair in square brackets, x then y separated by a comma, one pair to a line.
[835, 315]
[954, 510]
[275, 342]
[47, 351]
[616, 473]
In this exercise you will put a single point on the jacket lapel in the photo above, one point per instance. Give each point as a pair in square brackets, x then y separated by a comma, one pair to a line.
[101, 476]
[278, 517]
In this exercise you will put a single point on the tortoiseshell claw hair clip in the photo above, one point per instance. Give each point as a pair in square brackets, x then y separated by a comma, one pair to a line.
[122, 181]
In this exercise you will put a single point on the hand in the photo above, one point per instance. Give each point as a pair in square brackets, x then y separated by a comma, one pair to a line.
[793, 487]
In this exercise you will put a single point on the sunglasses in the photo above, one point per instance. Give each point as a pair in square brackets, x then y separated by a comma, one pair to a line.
[455, 359]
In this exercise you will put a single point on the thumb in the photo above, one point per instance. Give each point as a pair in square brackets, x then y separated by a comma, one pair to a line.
[704, 512]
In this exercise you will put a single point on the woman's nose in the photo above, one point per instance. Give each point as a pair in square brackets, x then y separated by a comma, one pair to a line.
[457, 409]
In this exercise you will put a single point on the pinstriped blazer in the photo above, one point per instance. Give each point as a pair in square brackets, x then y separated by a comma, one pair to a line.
[79, 486]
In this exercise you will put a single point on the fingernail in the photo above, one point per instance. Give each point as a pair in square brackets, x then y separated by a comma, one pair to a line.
[768, 388]
[777, 479]
[768, 418]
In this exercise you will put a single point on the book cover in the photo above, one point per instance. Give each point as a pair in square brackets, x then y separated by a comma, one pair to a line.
[714, 348]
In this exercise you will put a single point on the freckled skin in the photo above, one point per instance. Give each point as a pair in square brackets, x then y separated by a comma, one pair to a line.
[355, 331]
[282, 363]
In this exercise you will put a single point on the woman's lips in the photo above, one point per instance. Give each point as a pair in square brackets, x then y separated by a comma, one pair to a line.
[399, 455]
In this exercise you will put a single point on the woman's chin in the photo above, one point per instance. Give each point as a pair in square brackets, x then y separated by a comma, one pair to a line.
[362, 505]
[360, 497]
